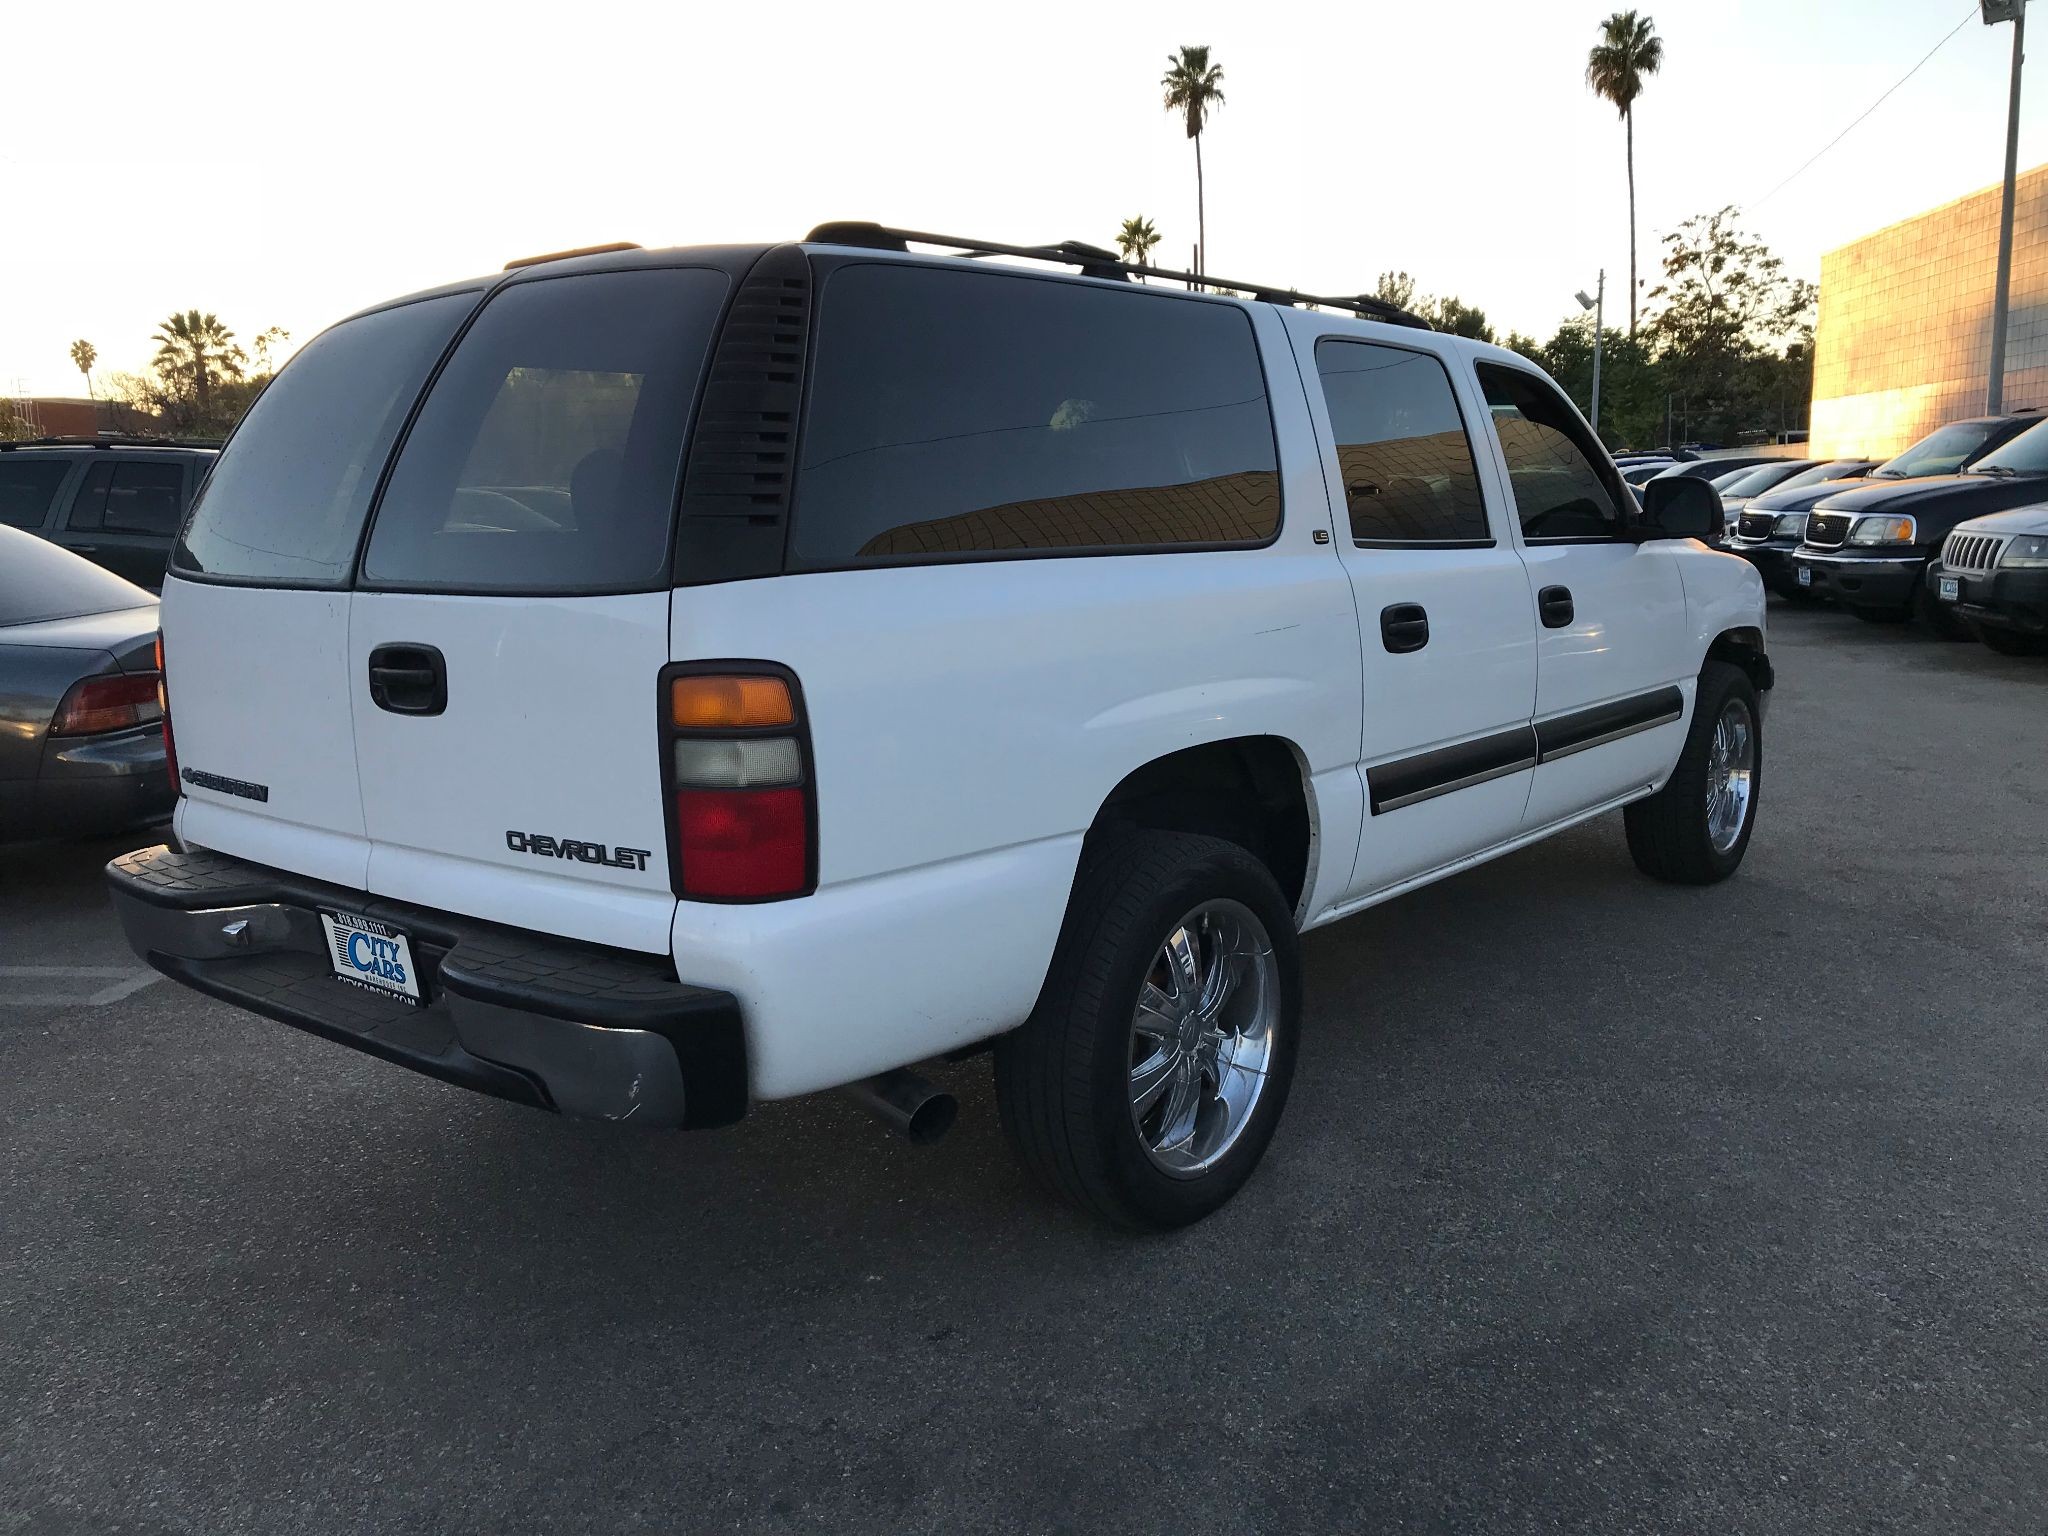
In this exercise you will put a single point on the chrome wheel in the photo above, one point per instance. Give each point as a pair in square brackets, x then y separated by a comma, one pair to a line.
[1202, 1037]
[1731, 774]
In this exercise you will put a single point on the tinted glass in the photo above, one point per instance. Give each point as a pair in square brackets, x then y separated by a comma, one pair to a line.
[1941, 452]
[960, 413]
[2026, 454]
[1820, 474]
[545, 458]
[1561, 482]
[1755, 482]
[89, 505]
[146, 498]
[28, 484]
[1401, 445]
[39, 581]
[286, 500]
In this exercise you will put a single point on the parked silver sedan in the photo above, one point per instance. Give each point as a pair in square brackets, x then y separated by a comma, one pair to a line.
[82, 747]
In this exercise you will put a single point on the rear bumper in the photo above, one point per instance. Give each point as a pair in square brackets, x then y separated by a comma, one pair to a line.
[582, 1030]
[1862, 581]
[2004, 599]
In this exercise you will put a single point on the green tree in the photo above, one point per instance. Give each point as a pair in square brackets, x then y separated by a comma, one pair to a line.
[194, 352]
[274, 336]
[1395, 288]
[83, 355]
[1628, 52]
[1194, 89]
[1136, 239]
[1457, 317]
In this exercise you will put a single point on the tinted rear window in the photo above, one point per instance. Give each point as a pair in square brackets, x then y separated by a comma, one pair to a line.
[1401, 446]
[146, 498]
[40, 581]
[545, 458]
[28, 484]
[287, 498]
[956, 414]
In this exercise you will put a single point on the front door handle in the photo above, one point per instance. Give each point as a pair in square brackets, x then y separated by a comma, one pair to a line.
[409, 679]
[1554, 605]
[1404, 627]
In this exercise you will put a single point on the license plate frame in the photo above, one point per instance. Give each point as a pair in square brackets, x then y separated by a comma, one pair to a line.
[1951, 589]
[374, 956]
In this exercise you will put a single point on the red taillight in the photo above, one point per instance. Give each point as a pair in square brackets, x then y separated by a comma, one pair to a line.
[163, 702]
[742, 843]
[96, 705]
[736, 760]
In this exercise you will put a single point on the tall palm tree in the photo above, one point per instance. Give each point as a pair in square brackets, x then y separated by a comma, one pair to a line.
[1136, 239]
[1194, 89]
[200, 349]
[83, 355]
[1628, 52]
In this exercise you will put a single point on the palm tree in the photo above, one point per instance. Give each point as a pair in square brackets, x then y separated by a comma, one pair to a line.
[200, 349]
[83, 355]
[1629, 50]
[1136, 239]
[1194, 88]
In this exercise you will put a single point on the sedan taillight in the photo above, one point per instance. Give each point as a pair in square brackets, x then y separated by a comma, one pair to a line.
[163, 703]
[737, 772]
[117, 702]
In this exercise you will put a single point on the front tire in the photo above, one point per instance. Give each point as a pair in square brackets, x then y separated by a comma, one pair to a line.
[1695, 829]
[1148, 1080]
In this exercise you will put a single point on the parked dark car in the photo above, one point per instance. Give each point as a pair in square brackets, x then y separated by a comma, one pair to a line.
[1993, 573]
[82, 746]
[1868, 549]
[1772, 525]
[1790, 474]
[117, 501]
[1722, 465]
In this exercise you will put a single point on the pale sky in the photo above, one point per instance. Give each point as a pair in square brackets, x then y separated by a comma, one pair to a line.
[284, 164]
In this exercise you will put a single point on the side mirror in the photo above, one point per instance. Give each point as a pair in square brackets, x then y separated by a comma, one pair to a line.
[1680, 507]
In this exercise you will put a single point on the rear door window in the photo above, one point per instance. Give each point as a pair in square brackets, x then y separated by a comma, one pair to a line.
[1401, 446]
[89, 503]
[145, 498]
[545, 457]
[959, 415]
[286, 500]
[28, 484]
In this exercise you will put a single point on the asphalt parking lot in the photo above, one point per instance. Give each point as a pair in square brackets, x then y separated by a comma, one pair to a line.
[1599, 1205]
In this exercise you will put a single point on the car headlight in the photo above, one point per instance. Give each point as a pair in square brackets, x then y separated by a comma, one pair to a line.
[1882, 530]
[1792, 523]
[2025, 553]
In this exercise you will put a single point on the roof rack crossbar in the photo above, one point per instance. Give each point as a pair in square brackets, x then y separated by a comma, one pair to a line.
[1096, 262]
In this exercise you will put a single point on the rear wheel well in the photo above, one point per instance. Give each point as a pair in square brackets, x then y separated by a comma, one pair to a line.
[1744, 648]
[1249, 791]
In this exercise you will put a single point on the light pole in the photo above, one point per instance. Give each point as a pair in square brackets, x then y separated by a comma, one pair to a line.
[1597, 304]
[2014, 11]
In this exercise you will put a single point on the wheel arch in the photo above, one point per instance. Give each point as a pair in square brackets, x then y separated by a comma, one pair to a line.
[1742, 646]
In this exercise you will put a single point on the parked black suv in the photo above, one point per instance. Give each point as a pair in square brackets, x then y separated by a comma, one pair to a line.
[1869, 549]
[1772, 525]
[117, 501]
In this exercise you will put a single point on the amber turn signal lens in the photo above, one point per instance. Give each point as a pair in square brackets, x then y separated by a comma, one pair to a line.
[721, 703]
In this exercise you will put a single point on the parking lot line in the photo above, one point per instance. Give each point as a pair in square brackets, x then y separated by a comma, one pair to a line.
[92, 985]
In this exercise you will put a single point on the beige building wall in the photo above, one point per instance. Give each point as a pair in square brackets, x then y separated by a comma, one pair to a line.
[1903, 340]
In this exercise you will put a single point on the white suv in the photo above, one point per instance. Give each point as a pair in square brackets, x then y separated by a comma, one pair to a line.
[646, 683]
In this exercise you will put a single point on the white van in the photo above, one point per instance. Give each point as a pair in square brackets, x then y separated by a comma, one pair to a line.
[646, 683]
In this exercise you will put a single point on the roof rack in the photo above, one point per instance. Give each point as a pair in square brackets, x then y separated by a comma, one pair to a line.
[581, 250]
[113, 440]
[1093, 261]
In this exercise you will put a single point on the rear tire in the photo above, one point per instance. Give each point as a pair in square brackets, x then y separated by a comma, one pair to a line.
[1695, 829]
[1177, 972]
[2012, 642]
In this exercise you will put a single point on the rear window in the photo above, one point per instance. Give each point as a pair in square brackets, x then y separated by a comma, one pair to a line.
[546, 455]
[41, 581]
[1401, 446]
[27, 487]
[964, 414]
[145, 498]
[287, 498]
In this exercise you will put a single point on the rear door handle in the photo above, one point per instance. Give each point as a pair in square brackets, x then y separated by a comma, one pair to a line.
[1404, 627]
[409, 679]
[1554, 605]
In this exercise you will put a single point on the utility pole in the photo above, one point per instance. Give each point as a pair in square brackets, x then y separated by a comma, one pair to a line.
[1597, 304]
[1994, 12]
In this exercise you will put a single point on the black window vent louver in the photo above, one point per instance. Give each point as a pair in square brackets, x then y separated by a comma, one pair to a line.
[742, 461]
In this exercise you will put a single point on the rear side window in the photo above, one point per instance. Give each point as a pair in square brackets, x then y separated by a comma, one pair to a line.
[28, 486]
[1563, 487]
[286, 501]
[145, 498]
[963, 414]
[545, 457]
[1401, 446]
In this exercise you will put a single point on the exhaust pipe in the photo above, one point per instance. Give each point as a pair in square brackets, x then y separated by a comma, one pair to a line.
[907, 1104]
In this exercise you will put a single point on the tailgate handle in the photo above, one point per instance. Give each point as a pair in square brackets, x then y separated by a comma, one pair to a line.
[409, 679]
